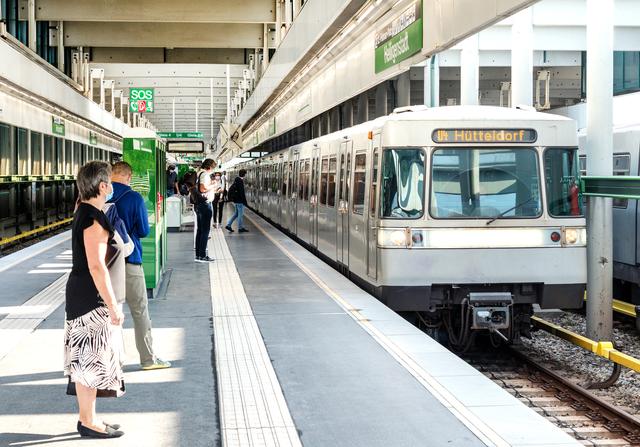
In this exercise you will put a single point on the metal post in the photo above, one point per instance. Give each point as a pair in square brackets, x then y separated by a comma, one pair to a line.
[211, 106]
[599, 162]
[469, 71]
[228, 95]
[31, 16]
[278, 21]
[522, 58]
[431, 83]
[61, 46]
[173, 115]
[288, 13]
[297, 6]
[265, 48]
[197, 114]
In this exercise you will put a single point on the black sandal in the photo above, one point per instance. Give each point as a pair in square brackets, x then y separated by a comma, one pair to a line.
[114, 426]
[86, 432]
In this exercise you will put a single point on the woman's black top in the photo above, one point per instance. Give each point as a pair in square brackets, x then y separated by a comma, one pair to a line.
[82, 294]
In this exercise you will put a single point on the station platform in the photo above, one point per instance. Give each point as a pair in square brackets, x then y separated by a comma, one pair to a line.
[270, 347]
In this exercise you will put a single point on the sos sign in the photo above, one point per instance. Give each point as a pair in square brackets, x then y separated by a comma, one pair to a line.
[141, 100]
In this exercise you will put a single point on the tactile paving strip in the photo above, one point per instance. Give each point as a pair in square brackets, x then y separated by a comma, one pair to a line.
[17, 325]
[253, 411]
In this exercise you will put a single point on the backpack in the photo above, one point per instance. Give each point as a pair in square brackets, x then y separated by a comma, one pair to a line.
[195, 196]
[232, 194]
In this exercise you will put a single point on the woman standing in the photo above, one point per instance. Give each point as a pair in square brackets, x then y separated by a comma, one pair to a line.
[204, 210]
[218, 200]
[90, 360]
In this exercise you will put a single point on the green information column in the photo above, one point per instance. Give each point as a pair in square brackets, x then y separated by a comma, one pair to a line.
[145, 152]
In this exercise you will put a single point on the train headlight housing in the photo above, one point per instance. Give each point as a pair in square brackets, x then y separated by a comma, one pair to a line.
[394, 237]
[574, 237]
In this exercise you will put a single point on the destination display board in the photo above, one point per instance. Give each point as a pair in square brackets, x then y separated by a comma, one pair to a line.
[184, 147]
[448, 136]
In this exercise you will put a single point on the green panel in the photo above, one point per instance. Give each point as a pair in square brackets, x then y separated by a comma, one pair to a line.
[141, 100]
[57, 126]
[180, 134]
[618, 187]
[147, 159]
[397, 41]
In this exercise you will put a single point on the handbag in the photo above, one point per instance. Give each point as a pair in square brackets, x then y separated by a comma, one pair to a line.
[112, 253]
[71, 390]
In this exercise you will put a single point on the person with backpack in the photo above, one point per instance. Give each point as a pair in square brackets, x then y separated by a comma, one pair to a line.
[237, 196]
[201, 196]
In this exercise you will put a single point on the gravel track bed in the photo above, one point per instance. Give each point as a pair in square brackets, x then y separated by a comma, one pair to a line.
[580, 366]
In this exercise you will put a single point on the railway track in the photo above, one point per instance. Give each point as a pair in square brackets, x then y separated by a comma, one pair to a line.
[587, 417]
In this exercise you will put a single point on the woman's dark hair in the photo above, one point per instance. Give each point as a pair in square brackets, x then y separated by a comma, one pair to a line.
[89, 178]
[242, 172]
[207, 164]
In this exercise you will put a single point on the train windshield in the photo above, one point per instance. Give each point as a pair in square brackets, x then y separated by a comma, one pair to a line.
[485, 183]
[402, 193]
[561, 182]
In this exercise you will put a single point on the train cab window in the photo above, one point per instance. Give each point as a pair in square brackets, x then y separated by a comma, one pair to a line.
[324, 180]
[402, 183]
[485, 183]
[561, 182]
[331, 193]
[359, 182]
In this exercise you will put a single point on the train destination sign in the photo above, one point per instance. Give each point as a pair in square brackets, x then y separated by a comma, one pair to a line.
[447, 136]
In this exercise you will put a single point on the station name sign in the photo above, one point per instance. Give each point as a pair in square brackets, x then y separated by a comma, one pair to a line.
[400, 38]
[448, 136]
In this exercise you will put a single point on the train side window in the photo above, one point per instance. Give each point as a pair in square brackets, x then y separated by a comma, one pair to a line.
[621, 166]
[341, 192]
[324, 180]
[359, 183]
[374, 184]
[331, 199]
[7, 151]
[303, 186]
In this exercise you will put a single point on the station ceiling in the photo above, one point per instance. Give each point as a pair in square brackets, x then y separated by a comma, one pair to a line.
[180, 48]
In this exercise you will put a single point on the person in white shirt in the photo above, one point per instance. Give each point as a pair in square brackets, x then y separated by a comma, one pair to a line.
[218, 200]
[204, 210]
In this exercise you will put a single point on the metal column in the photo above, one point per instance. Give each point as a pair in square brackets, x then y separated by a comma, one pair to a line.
[297, 5]
[61, 46]
[211, 107]
[265, 48]
[31, 16]
[522, 58]
[278, 21]
[403, 90]
[197, 113]
[173, 115]
[431, 85]
[599, 162]
[228, 95]
[469, 71]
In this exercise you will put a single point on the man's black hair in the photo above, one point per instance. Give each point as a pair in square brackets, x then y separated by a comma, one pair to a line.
[242, 172]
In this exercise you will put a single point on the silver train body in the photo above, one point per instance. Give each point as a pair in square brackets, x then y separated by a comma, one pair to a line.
[466, 215]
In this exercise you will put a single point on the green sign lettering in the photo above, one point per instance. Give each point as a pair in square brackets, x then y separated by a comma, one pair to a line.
[180, 134]
[141, 100]
[57, 126]
[399, 39]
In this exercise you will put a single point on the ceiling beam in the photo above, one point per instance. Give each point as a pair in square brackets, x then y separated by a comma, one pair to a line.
[191, 11]
[163, 35]
[165, 55]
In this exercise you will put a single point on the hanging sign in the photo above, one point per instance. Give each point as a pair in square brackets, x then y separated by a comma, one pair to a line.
[399, 39]
[93, 138]
[180, 134]
[141, 100]
[57, 126]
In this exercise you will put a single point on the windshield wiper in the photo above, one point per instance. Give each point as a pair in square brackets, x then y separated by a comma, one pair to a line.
[493, 219]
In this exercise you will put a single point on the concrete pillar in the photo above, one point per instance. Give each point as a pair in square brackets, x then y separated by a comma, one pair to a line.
[288, 13]
[297, 6]
[403, 90]
[469, 71]
[228, 95]
[60, 44]
[599, 162]
[197, 113]
[522, 59]
[278, 21]
[31, 17]
[432, 82]
[381, 99]
[173, 115]
[265, 47]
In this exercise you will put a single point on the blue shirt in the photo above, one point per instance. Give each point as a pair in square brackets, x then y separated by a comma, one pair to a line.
[133, 212]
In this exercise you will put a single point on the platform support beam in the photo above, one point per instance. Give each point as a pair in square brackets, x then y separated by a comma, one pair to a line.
[469, 71]
[60, 48]
[599, 163]
[522, 59]
[31, 16]
[432, 82]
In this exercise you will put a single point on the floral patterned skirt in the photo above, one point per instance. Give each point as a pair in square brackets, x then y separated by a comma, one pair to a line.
[91, 355]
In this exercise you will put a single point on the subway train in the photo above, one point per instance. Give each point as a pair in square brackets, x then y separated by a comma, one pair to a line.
[626, 227]
[463, 217]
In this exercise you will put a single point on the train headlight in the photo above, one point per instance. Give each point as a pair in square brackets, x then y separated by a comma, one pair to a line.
[574, 236]
[392, 237]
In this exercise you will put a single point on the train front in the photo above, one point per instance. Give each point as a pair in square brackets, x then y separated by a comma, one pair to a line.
[481, 221]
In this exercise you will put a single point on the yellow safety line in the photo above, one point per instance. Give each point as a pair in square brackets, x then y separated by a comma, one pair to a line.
[8, 240]
[602, 349]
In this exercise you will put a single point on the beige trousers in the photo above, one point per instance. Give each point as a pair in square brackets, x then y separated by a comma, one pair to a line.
[138, 305]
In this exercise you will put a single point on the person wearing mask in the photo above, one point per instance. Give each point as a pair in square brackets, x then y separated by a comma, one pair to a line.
[218, 200]
[90, 361]
[204, 197]
[172, 181]
[133, 212]
[225, 184]
[237, 196]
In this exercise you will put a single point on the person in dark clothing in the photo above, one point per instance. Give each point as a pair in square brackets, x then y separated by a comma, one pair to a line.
[204, 209]
[172, 181]
[237, 196]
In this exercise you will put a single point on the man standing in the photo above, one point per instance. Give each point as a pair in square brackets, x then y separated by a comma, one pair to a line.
[172, 181]
[133, 212]
[236, 195]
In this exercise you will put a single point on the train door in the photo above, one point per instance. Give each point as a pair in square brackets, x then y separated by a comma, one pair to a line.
[313, 198]
[293, 206]
[342, 223]
[372, 223]
[357, 218]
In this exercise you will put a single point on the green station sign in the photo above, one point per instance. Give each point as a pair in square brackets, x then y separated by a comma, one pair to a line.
[93, 138]
[57, 126]
[399, 39]
[180, 134]
[141, 100]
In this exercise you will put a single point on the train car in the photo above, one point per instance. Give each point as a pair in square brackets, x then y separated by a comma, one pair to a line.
[466, 216]
[626, 244]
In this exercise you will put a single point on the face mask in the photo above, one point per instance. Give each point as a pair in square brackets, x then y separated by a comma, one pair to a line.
[110, 194]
